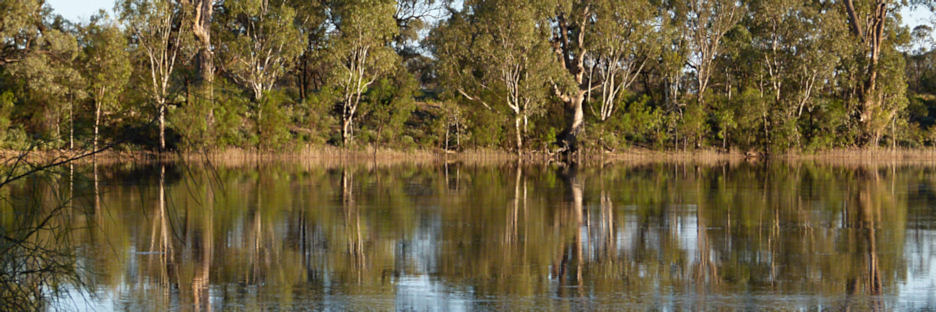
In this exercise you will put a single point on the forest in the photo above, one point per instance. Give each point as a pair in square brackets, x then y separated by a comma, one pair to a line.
[557, 76]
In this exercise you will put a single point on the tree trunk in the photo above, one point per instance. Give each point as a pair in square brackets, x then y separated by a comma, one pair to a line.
[71, 126]
[204, 58]
[346, 125]
[201, 28]
[570, 48]
[97, 125]
[872, 37]
[517, 126]
[568, 142]
[303, 76]
[162, 127]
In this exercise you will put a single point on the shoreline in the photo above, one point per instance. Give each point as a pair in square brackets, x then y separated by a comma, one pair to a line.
[389, 156]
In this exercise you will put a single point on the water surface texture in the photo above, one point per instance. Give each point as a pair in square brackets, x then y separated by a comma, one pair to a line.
[502, 237]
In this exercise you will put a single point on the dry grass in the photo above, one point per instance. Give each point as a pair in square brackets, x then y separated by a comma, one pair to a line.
[697, 156]
[866, 156]
[329, 155]
[312, 155]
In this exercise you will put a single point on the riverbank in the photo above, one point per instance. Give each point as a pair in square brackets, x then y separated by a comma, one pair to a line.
[387, 156]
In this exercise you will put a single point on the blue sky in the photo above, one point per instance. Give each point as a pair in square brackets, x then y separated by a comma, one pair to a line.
[80, 10]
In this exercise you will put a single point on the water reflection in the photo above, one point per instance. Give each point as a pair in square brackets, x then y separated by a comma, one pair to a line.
[38, 265]
[512, 236]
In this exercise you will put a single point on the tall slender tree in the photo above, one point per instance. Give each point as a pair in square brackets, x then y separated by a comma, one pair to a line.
[106, 66]
[495, 52]
[625, 42]
[259, 46]
[868, 20]
[361, 52]
[155, 28]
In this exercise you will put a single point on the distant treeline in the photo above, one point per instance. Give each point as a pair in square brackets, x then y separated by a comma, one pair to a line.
[761, 75]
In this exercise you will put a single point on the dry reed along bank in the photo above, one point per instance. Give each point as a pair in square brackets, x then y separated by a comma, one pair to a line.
[328, 155]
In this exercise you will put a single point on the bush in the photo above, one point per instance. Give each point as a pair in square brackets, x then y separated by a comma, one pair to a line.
[388, 107]
[272, 124]
[312, 117]
[6, 113]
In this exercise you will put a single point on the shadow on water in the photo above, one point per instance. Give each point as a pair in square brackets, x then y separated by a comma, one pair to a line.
[505, 237]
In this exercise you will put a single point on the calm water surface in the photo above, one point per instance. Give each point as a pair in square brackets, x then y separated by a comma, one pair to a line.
[461, 238]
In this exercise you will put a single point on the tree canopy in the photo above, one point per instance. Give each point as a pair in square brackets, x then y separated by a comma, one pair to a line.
[551, 75]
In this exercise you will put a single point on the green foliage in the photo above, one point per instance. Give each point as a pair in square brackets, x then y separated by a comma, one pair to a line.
[319, 126]
[190, 121]
[638, 123]
[749, 110]
[230, 107]
[107, 62]
[204, 124]
[759, 75]
[692, 126]
[260, 42]
[826, 125]
[107, 68]
[390, 103]
[485, 128]
[361, 53]
[272, 125]
[7, 99]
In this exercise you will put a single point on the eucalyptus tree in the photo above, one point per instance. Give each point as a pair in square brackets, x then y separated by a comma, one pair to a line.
[156, 33]
[260, 43]
[798, 44]
[312, 68]
[412, 17]
[707, 23]
[107, 67]
[625, 42]
[414, 20]
[616, 38]
[671, 62]
[571, 22]
[259, 46]
[51, 80]
[20, 24]
[200, 21]
[40, 52]
[495, 53]
[361, 52]
[872, 23]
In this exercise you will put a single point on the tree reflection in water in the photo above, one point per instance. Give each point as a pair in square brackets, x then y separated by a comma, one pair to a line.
[38, 264]
[507, 236]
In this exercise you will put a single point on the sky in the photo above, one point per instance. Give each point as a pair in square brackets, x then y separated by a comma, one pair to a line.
[80, 10]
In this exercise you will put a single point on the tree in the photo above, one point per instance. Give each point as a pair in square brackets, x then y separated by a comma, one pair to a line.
[20, 25]
[156, 33]
[610, 36]
[624, 44]
[707, 22]
[201, 18]
[106, 66]
[872, 23]
[312, 68]
[260, 45]
[495, 52]
[361, 54]
[796, 46]
[570, 21]
[390, 104]
[51, 79]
